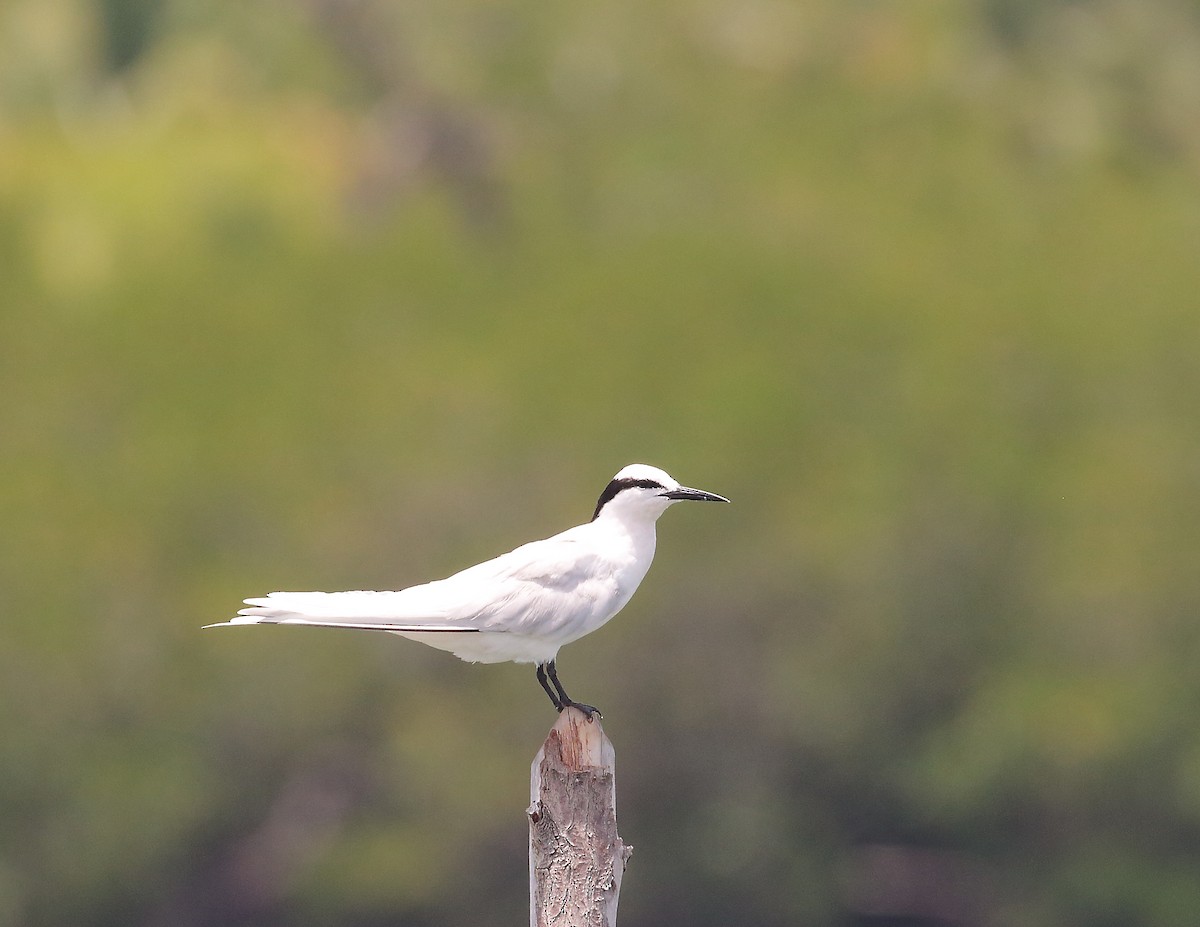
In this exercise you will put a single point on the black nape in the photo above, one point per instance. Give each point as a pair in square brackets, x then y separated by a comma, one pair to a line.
[616, 486]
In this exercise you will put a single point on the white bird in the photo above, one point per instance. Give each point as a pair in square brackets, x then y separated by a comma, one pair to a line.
[522, 606]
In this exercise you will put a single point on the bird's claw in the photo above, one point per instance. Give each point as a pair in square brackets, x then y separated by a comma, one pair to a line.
[588, 710]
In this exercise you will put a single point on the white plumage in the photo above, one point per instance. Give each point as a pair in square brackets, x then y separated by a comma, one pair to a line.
[521, 606]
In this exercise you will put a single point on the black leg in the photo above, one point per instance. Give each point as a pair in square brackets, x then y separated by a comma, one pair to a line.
[564, 700]
[541, 676]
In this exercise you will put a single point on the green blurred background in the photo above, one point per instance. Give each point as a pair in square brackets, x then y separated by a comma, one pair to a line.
[353, 293]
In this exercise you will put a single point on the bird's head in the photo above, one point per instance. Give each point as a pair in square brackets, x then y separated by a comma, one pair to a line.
[640, 490]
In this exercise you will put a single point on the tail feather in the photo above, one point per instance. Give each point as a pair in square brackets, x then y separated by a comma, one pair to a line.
[374, 611]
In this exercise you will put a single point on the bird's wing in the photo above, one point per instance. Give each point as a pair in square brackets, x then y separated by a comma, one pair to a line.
[539, 588]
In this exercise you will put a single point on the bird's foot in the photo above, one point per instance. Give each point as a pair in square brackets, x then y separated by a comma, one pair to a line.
[588, 710]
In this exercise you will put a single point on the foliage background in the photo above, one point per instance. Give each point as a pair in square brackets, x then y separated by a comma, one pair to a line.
[352, 293]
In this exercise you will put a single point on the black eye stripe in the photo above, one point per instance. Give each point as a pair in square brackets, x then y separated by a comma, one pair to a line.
[611, 490]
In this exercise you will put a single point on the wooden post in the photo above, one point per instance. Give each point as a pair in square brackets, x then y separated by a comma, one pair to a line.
[576, 859]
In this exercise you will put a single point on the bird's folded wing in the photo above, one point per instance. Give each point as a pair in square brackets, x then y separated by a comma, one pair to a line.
[528, 590]
[542, 589]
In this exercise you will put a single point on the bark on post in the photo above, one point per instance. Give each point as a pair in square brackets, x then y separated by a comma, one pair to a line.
[576, 858]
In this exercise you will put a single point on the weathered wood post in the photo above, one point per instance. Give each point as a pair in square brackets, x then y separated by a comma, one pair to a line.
[576, 858]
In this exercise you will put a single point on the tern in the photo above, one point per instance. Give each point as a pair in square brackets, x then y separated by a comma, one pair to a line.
[521, 606]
